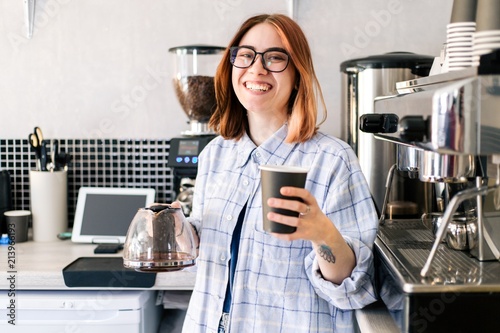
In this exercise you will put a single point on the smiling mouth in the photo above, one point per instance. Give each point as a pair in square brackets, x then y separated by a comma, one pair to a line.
[257, 86]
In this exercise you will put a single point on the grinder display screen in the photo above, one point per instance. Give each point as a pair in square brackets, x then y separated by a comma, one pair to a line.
[188, 147]
[183, 152]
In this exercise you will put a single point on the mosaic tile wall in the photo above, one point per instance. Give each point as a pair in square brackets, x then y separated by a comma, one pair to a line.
[96, 163]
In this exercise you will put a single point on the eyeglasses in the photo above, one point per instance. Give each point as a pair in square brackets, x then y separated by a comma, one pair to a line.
[273, 60]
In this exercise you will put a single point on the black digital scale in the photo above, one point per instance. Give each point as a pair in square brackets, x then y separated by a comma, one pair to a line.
[183, 157]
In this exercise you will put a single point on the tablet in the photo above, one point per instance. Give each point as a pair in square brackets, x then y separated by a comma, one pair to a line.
[104, 214]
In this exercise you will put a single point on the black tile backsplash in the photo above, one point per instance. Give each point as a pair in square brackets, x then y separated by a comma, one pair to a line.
[96, 163]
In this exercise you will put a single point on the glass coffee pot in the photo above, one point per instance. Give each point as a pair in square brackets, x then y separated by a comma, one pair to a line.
[159, 239]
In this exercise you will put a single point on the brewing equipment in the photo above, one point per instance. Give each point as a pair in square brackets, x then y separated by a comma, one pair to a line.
[159, 239]
[194, 68]
[183, 160]
[363, 79]
[447, 280]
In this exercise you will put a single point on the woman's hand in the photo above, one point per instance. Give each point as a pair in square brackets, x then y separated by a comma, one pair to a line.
[312, 224]
[335, 258]
[177, 204]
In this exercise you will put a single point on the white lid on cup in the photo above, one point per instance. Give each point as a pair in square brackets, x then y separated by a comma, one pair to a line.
[283, 168]
[17, 213]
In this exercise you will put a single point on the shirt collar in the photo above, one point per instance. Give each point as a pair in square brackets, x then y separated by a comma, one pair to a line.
[273, 151]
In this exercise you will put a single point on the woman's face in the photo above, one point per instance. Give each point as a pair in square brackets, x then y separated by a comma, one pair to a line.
[259, 90]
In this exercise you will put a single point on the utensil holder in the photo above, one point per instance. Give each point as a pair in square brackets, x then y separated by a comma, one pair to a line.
[49, 204]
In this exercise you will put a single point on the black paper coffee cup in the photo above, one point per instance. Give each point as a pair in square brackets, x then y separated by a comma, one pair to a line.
[273, 178]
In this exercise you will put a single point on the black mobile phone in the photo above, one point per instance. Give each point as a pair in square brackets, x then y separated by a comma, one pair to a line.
[108, 248]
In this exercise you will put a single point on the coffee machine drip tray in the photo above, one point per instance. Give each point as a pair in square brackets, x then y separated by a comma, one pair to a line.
[458, 288]
[409, 242]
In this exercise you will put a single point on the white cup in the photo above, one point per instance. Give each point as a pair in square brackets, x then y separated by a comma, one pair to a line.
[49, 204]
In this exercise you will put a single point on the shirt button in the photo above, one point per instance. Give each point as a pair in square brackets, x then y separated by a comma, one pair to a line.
[257, 154]
[245, 182]
[229, 217]
[223, 257]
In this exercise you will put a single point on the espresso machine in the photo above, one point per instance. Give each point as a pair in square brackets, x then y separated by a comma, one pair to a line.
[363, 79]
[441, 272]
[194, 68]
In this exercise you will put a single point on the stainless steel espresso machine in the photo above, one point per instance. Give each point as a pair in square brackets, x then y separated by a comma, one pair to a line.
[441, 272]
[194, 69]
[363, 79]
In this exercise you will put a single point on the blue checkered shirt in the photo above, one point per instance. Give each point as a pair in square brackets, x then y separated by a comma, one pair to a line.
[277, 284]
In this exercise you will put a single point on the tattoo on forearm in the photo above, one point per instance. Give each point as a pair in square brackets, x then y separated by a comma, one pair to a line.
[326, 253]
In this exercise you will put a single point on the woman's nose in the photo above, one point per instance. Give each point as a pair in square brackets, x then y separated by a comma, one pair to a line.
[258, 67]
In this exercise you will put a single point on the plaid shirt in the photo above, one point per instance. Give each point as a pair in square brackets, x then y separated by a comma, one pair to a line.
[277, 284]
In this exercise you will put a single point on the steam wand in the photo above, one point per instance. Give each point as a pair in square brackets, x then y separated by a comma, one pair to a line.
[29, 13]
[388, 184]
[450, 210]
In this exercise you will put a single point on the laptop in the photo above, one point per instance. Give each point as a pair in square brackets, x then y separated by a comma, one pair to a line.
[104, 214]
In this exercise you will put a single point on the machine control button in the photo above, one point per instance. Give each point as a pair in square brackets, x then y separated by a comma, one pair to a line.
[378, 123]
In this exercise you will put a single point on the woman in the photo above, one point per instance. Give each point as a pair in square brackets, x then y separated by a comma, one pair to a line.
[249, 280]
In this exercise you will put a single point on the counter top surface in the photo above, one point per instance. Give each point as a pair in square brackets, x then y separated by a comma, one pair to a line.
[375, 318]
[39, 266]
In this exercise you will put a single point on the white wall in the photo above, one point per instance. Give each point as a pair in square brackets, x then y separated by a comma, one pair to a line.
[101, 68]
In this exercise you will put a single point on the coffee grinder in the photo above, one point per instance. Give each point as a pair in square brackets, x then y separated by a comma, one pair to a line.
[194, 68]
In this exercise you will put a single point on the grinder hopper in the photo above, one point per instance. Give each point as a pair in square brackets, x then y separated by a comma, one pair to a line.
[194, 70]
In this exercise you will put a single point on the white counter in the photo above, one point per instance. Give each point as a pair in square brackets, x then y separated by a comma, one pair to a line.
[39, 266]
[375, 318]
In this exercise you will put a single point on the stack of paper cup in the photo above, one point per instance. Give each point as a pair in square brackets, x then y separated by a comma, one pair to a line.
[459, 41]
[487, 35]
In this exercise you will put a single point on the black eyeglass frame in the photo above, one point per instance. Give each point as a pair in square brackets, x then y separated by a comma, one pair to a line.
[273, 49]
